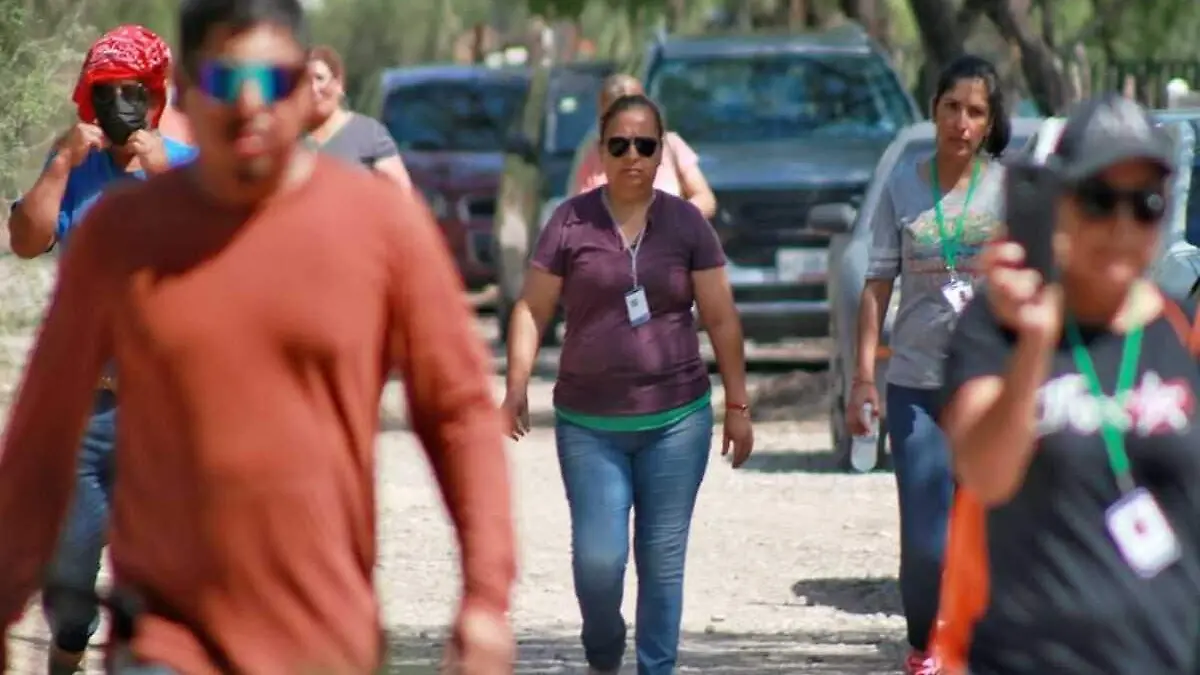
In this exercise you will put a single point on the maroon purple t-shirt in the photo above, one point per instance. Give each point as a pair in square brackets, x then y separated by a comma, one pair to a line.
[609, 366]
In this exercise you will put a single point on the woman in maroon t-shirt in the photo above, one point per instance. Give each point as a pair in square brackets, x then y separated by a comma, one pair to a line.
[632, 400]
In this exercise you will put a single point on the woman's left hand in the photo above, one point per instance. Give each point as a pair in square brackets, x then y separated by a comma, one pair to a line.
[739, 436]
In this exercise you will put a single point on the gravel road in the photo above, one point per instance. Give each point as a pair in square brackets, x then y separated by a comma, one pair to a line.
[791, 569]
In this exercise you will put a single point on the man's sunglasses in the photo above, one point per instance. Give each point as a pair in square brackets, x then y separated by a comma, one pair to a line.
[1100, 200]
[645, 146]
[134, 92]
[223, 80]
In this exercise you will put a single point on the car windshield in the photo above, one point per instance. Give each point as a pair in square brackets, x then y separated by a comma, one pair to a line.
[763, 97]
[572, 111]
[453, 116]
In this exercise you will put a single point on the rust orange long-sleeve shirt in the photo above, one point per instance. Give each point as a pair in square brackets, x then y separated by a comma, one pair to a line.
[251, 351]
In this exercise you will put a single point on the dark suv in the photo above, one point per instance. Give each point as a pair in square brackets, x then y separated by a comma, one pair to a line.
[781, 124]
[558, 111]
[450, 124]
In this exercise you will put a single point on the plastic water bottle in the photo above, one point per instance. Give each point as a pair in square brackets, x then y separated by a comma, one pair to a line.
[864, 450]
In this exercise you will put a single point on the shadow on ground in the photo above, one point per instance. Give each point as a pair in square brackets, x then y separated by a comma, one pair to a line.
[793, 461]
[803, 461]
[853, 596]
[709, 653]
[418, 652]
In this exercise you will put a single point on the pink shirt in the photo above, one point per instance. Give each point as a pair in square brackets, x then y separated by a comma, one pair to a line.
[676, 155]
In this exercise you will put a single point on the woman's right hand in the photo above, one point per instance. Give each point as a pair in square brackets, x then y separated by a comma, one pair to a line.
[861, 393]
[515, 409]
[1017, 294]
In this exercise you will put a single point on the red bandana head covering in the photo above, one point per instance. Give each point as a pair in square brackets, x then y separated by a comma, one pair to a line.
[127, 52]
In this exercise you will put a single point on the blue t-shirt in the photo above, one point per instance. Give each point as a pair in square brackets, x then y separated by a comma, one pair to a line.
[88, 180]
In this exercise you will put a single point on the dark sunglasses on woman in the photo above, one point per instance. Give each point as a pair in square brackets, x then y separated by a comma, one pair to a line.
[223, 80]
[1099, 200]
[644, 146]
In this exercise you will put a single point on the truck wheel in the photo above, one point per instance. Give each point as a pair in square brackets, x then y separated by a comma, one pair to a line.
[504, 314]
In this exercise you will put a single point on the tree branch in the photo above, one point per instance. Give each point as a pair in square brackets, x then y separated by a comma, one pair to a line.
[1012, 19]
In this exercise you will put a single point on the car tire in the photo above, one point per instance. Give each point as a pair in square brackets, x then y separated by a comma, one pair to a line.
[841, 442]
[504, 315]
[840, 437]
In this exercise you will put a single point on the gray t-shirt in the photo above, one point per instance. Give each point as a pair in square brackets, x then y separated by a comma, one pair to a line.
[906, 243]
[361, 140]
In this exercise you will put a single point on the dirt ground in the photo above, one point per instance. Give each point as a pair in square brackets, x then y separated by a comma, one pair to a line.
[791, 566]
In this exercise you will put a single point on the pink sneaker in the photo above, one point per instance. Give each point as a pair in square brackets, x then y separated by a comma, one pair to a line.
[919, 663]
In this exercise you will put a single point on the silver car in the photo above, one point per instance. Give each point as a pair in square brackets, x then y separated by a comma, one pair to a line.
[850, 242]
[1177, 270]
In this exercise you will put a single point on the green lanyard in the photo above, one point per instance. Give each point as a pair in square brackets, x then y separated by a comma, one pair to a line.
[1113, 435]
[950, 241]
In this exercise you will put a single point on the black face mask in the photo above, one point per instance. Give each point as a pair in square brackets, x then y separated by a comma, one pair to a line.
[120, 110]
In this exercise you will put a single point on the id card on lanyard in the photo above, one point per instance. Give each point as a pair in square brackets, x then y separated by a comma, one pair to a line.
[637, 307]
[1136, 523]
[958, 291]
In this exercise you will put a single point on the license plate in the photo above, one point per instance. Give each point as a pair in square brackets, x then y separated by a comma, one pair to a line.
[801, 264]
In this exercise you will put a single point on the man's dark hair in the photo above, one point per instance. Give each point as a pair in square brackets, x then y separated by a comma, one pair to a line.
[198, 17]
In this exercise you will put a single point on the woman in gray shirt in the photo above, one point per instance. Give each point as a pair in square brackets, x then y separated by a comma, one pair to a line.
[933, 218]
[346, 134]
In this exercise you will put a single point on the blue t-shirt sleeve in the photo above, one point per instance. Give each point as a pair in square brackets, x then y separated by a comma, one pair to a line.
[65, 209]
[178, 153]
[90, 178]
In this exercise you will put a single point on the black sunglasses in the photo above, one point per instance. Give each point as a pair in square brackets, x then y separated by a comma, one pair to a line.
[645, 146]
[1099, 200]
[130, 91]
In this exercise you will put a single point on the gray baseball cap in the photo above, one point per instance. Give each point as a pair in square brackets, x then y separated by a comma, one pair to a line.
[1107, 130]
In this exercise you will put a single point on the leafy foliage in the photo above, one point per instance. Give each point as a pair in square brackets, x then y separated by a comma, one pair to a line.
[574, 8]
[38, 63]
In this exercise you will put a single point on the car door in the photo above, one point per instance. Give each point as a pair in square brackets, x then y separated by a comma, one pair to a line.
[517, 201]
[1177, 270]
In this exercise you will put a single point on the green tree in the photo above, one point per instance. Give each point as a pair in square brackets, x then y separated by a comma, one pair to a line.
[39, 61]
[373, 35]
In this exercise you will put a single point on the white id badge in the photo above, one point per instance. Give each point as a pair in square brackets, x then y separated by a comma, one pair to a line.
[1142, 533]
[637, 307]
[958, 293]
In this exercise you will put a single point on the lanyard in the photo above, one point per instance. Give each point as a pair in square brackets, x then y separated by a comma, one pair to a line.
[633, 250]
[1110, 431]
[950, 241]
[634, 247]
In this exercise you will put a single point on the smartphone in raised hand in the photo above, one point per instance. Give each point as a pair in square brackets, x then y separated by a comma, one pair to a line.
[1031, 194]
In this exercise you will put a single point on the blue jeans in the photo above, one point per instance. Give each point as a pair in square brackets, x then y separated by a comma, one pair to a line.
[925, 483]
[656, 474]
[69, 599]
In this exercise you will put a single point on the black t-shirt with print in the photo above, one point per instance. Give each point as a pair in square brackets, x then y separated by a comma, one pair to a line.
[1063, 600]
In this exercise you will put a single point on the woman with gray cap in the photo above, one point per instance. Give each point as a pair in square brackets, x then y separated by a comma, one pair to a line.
[1070, 411]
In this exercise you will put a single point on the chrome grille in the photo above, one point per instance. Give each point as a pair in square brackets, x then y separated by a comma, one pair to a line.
[480, 207]
[754, 224]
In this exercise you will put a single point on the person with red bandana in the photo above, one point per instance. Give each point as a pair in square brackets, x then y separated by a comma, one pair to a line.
[120, 96]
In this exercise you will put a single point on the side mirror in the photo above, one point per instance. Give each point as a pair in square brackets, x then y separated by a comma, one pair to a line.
[831, 219]
[518, 144]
